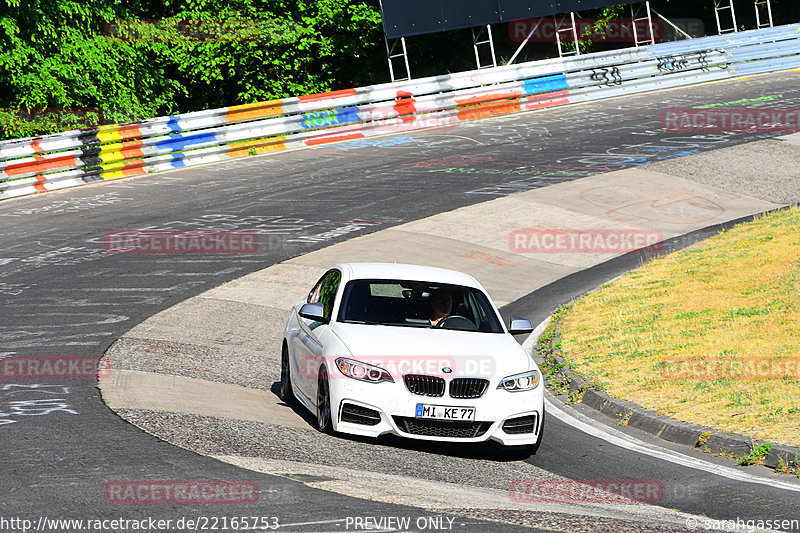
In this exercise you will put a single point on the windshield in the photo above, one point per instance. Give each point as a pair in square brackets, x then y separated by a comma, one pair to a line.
[417, 304]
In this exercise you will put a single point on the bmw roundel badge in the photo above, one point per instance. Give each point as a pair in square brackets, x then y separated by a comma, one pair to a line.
[447, 370]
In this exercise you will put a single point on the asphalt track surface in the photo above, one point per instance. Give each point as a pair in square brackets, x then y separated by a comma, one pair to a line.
[62, 294]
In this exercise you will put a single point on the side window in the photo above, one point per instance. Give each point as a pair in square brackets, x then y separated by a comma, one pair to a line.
[325, 291]
[313, 296]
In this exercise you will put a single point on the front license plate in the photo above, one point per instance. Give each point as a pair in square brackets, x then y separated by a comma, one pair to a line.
[444, 412]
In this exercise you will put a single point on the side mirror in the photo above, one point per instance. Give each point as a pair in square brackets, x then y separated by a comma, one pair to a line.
[518, 325]
[315, 312]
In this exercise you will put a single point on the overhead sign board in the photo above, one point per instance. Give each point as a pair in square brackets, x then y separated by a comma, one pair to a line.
[403, 18]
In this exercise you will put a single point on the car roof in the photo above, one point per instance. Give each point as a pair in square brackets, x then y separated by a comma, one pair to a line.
[407, 272]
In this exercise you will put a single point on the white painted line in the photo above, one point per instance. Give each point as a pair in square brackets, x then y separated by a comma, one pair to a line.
[314, 523]
[596, 429]
[449, 135]
[340, 520]
[583, 423]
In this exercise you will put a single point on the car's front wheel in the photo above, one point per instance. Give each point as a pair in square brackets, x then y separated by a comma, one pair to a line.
[527, 450]
[324, 402]
[287, 394]
[533, 448]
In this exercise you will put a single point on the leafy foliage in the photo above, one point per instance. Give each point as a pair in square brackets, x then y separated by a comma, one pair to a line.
[53, 55]
[114, 61]
[757, 454]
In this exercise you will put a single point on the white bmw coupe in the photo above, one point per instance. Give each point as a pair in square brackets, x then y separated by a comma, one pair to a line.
[415, 351]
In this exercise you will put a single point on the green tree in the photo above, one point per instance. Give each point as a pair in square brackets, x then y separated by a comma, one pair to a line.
[54, 55]
[272, 49]
[135, 59]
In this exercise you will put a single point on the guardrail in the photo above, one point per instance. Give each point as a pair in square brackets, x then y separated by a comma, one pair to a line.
[77, 157]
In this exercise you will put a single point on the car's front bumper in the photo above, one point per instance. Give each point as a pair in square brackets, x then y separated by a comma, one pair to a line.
[371, 410]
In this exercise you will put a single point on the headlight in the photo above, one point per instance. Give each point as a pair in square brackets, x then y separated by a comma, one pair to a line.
[362, 371]
[520, 382]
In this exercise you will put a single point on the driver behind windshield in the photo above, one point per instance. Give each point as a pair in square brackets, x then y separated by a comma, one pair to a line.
[441, 305]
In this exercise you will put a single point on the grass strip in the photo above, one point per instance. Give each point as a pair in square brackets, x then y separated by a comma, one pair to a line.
[708, 335]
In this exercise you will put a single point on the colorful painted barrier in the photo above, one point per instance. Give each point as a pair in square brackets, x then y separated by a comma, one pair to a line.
[77, 157]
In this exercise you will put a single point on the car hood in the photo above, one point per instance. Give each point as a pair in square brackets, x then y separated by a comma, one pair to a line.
[428, 351]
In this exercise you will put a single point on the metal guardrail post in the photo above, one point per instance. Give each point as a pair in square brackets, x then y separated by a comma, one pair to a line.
[390, 55]
[489, 41]
[649, 19]
[763, 4]
[571, 29]
[719, 7]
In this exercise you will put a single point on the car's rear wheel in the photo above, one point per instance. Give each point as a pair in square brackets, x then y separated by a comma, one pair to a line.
[287, 394]
[324, 403]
